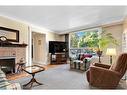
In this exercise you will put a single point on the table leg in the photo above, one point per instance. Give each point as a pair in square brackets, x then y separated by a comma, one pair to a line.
[79, 65]
[85, 64]
[28, 83]
[18, 69]
[74, 65]
[32, 81]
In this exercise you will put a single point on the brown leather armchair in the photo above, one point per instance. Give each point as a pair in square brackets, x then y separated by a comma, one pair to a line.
[106, 76]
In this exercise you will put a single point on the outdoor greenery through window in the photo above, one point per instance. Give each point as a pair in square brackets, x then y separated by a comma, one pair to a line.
[85, 39]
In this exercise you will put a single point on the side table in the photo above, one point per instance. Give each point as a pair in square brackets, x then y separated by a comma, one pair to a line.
[32, 70]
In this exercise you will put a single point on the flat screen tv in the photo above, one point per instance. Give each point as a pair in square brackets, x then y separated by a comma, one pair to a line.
[57, 46]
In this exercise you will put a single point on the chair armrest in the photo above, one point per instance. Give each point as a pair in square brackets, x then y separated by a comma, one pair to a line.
[102, 65]
[103, 70]
[100, 75]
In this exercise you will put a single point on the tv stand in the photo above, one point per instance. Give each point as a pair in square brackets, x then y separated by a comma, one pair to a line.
[58, 58]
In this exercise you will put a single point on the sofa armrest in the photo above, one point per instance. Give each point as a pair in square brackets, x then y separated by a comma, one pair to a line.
[11, 86]
[5, 84]
[102, 65]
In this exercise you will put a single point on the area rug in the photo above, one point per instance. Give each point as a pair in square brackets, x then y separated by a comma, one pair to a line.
[22, 74]
[60, 77]
[16, 76]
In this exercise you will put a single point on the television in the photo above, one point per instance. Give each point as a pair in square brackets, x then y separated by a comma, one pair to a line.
[57, 47]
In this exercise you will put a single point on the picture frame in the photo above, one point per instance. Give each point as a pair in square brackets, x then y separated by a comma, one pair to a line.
[12, 35]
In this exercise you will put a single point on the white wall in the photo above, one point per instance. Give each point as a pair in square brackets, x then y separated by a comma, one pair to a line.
[50, 36]
[25, 35]
[23, 30]
[39, 48]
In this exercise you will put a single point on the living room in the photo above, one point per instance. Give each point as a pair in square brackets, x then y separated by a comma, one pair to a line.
[33, 45]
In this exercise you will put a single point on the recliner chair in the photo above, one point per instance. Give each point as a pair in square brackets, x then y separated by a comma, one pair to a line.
[106, 76]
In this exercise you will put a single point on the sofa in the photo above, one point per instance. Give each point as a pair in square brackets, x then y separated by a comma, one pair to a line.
[5, 84]
[80, 61]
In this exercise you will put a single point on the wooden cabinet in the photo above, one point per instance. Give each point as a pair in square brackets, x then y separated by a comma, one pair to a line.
[58, 58]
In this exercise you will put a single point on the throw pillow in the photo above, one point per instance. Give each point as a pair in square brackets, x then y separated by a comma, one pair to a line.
[87, 55]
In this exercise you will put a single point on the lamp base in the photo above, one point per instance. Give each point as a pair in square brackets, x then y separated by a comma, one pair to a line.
[110, 59]
[99, 53]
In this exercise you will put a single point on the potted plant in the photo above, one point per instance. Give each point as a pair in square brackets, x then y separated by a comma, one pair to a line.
[100, 43]
[104, 41]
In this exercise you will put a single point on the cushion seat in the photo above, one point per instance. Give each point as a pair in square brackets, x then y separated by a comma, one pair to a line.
[80, 65]
[4, 83]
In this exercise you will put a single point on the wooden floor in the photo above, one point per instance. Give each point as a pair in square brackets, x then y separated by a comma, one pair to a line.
[24, 74]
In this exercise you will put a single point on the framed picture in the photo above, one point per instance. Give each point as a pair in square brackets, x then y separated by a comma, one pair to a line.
[39, 42]
[11, 34]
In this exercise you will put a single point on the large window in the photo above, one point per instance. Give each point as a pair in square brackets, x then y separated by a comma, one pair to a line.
[85, 39]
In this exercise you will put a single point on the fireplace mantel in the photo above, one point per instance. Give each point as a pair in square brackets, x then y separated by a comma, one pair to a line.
[7, 57]
[8, 44]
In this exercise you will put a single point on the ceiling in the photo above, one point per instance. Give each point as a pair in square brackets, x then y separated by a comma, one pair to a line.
[61, 19]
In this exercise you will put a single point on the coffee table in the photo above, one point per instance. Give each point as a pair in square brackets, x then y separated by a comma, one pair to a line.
[32, 70]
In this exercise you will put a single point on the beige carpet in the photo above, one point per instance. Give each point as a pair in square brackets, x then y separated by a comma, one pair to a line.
[24, 74]
[61, 77]
[16, 76]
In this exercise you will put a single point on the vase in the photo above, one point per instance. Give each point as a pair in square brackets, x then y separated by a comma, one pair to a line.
[99, 53]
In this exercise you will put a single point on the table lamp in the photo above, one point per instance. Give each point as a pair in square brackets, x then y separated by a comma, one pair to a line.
[111, 52]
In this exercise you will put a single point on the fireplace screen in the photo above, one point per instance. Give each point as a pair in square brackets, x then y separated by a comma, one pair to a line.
[8, 65]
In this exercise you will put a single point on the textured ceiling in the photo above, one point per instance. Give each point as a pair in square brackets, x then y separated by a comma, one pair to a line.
[63, 18]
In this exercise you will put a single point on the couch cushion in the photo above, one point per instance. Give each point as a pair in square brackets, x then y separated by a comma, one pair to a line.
[4, 84]
[2, 74]
[82, 56]
[87, 55]
[12, 86]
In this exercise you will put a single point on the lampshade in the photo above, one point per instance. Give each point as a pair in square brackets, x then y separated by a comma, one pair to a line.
[111, 51]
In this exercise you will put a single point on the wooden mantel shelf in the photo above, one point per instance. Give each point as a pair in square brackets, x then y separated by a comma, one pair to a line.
[12, 45]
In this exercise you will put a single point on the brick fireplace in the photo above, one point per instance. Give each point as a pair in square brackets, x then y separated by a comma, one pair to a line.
[10, 56]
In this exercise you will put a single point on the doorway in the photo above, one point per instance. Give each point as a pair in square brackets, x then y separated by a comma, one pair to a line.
[38, 48]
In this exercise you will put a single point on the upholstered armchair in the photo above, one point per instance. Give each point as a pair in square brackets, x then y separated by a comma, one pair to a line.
[106, 76]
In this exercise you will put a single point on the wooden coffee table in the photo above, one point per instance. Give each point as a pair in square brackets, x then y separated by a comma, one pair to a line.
[33, 70]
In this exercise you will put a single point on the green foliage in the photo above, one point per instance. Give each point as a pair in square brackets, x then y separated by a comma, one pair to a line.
[105, 40]
[91, 39]
[74, 40]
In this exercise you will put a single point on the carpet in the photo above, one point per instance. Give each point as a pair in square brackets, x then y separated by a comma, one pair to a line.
[60, 77]
[15, 76]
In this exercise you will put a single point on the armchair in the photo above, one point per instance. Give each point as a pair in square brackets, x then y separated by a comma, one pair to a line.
[106, 76]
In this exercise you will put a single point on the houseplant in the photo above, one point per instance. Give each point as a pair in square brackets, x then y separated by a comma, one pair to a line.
[101, 42]
[104, 41]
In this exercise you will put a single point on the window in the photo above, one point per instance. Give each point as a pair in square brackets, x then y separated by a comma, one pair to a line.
[86, 40]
